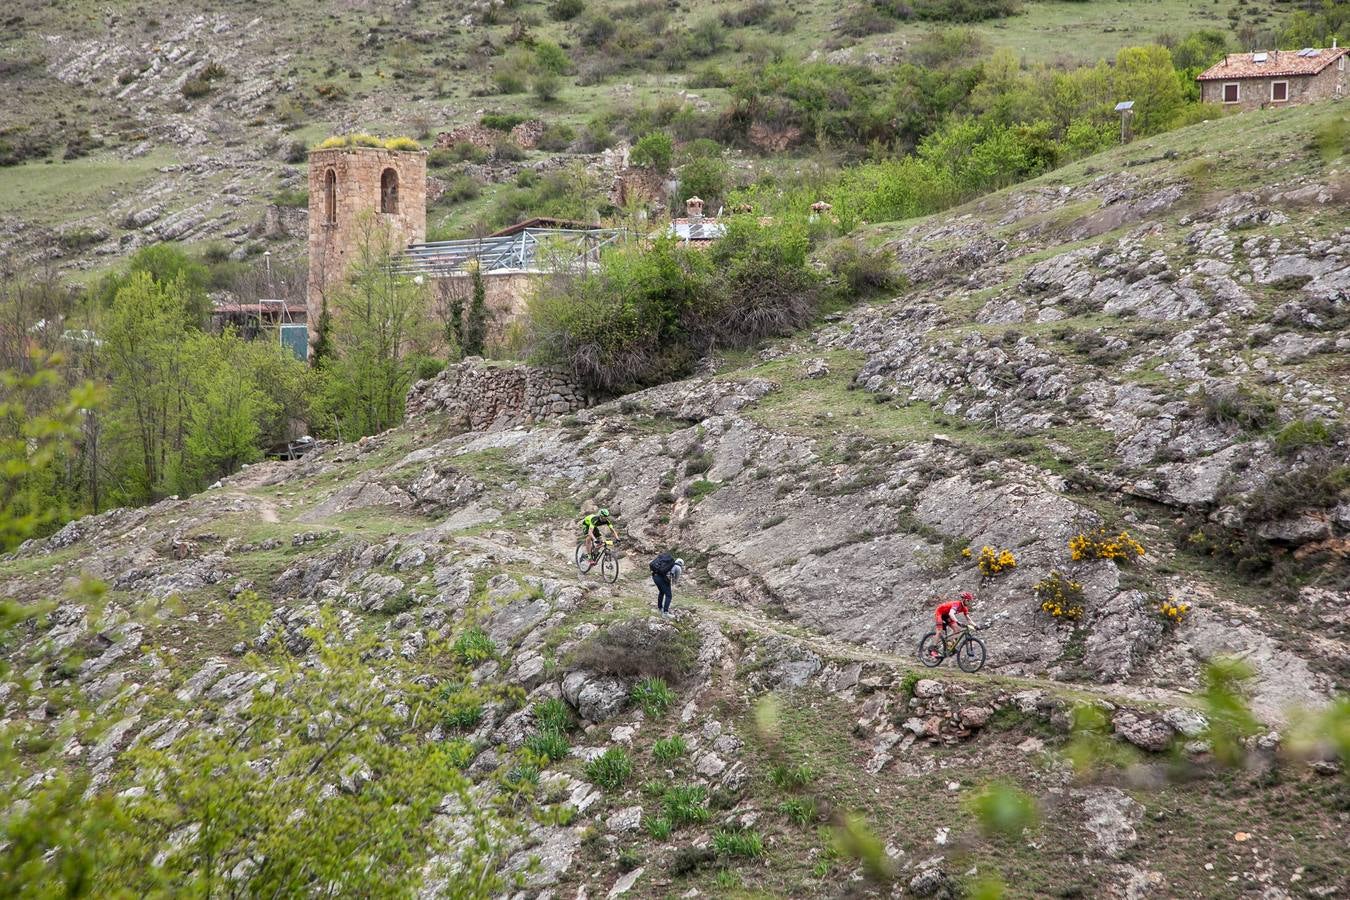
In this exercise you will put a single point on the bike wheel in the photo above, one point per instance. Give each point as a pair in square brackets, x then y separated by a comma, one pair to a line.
[609, 566]
[929, 643]
[584, 561]
[970, 655]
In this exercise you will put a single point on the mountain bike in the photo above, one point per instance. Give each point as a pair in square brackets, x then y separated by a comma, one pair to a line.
[604, 555]
[968, 650]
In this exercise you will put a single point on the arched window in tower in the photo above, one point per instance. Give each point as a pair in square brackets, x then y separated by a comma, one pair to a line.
[330, 198]
[389, 191]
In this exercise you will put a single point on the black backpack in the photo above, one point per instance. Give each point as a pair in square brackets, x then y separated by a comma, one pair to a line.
[663, 564]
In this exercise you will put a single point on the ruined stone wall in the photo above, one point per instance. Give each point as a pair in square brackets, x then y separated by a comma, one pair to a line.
[479, 394]
[336, 233]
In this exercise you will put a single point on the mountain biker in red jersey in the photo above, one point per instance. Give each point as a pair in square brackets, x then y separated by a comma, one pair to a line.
[945, 615]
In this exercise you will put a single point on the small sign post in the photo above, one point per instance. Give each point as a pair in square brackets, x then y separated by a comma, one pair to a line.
[1126, 110]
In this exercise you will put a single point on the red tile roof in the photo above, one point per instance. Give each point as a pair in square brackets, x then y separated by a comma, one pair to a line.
[1279, 63]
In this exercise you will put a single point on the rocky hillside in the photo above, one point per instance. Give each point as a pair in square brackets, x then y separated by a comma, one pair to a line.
[1150, 342]
[128, 124]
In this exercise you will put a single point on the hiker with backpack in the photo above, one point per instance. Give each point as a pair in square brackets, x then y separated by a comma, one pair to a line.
[666, 570]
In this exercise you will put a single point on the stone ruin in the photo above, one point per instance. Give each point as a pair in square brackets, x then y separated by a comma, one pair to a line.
[486, 395]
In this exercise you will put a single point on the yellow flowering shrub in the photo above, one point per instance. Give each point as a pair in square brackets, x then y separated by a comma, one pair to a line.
[1174, 611]
[1061, 597]
[992, 561]
[1098, 544]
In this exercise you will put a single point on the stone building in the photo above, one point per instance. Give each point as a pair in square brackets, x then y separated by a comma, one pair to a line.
[1275, 78]
[352, 189]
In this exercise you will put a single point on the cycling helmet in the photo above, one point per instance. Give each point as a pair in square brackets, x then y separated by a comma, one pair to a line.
[605, 513]
[967, 596]
[680, 563]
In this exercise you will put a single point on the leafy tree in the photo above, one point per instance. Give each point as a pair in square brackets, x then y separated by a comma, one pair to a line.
[37, 429]
[225, 408]
[475, 328]
[704, 177]
[1145, 75]
[653, 151]
[379, 330]
[323, 335]
[148, 375]
[166, 264]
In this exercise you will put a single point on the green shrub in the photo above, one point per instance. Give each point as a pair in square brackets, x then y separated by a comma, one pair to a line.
[705, 177]
[669, 749]
[626, 649]
[1239, 405]
[556, 137]
[549, 57]
[908, 684]
[460, 189]
[686, 805]
[963, 11]
[510, 79]
[396, 604]
[738, 842]
[654, 150]
[474, 646]
[467, 151]
[658, 827]
[547, 86]
[296, 199]
[501, 121]
[566, 10]
[611, 769]
[862, 270]
[653, 695]
[1302, 433]
[463, 710]
[507, 150]
[549, 744]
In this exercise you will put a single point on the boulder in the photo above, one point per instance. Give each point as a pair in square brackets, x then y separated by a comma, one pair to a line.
[927, 688]
[596, 697]
[976, 716]
[1110, 816]
[1145, 733]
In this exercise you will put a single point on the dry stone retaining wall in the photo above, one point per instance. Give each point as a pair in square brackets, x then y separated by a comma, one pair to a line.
[479, 395]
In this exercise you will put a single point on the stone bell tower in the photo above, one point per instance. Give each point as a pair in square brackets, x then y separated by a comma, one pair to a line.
[352, 189]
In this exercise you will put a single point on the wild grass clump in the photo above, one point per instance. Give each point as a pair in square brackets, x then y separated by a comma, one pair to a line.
[743, 843]
[800, 811]
[653, 695]
[549, 744]
[659, 827]
[667, 750]
[473, 646]
[791, 778]
[611, 769]
[553, 715]
[686, 805]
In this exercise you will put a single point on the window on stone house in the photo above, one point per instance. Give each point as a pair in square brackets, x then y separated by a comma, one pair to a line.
[1279, 90]
[389, 191]
[330, 197]
[1230, 92]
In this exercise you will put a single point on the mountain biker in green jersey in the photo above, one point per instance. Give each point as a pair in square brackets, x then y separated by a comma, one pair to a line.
[592, 524]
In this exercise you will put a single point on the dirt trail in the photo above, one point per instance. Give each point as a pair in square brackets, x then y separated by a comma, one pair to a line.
[633, 581]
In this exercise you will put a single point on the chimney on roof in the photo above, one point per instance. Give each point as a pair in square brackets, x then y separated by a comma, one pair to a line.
[694, 207]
